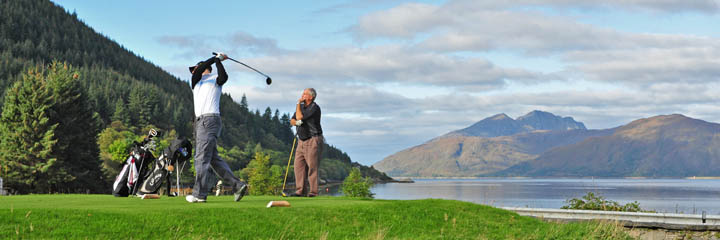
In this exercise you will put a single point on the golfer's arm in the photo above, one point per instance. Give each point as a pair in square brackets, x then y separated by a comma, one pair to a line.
[292, 120]
[197, 75]
[222, 75]
[298, 112]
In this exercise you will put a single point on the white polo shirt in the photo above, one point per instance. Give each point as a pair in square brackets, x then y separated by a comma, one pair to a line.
[206, 95]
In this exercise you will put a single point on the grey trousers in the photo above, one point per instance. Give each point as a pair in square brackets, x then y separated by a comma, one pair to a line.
[207, 160]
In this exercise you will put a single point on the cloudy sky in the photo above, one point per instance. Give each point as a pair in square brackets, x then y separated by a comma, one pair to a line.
[394, 74]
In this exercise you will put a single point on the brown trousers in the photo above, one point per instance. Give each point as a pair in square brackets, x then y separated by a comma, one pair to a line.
[307, 159]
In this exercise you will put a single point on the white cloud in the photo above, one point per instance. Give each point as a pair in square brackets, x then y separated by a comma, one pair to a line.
[660, 6]
[651, 66]
[394, 64]
[402, 21]
[241, 43]
[653, 6]
[592, 52]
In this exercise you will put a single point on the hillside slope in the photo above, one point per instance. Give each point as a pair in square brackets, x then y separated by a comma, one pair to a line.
[661, 146]
[476, 156]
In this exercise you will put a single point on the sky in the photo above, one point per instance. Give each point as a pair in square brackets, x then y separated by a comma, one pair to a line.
[394, 74]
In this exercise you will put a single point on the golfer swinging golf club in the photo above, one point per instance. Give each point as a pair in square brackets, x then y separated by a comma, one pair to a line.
[309, 132]
[207, 88]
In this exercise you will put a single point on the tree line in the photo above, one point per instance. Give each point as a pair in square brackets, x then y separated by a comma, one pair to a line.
[95, 96]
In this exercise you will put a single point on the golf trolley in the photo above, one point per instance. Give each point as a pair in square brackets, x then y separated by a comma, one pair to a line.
[136, 178]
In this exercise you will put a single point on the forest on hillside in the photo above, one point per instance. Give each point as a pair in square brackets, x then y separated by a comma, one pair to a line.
[117, 96]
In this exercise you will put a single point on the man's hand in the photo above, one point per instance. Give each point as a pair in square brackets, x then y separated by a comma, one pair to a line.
[221, 56]
[298, 123]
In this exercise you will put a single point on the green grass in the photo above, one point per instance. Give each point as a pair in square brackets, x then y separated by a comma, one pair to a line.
[107, 217]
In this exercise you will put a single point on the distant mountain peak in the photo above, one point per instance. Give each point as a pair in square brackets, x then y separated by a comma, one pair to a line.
[536, 113]
[503, 125]
[540, 120]
[499, 116]
[652, 127]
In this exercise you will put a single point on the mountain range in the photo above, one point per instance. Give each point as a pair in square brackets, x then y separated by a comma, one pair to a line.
[541, 144]
[503, 125]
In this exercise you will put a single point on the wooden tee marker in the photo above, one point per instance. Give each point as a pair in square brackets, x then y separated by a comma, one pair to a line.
[150, 196]
[278, 204]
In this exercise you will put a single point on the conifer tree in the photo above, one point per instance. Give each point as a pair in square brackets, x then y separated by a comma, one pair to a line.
[151, 108]
[244, 104]
[27, 137]
[135, 105]
[121, 112]
[77, 130]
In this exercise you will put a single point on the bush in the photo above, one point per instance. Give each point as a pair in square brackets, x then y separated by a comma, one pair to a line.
[357, 186]
[597, 202]
[263, 179]
[119, 150]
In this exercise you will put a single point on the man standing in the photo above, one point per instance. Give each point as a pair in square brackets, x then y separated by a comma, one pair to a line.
[307, 120]
[207, 89]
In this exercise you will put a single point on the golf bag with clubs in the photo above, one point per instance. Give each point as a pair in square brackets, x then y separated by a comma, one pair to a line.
[130, 176]
[179, 151]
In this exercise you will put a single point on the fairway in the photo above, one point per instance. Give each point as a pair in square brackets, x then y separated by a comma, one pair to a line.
[104, 216]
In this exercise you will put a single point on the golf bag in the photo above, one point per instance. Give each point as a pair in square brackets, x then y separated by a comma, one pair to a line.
[179, 151]
[130, 176]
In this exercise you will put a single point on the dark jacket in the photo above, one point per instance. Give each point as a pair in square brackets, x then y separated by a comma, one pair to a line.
[311, 121]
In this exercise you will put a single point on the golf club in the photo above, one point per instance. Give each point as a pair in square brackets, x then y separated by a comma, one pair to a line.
[178, 172]
[268, 80]
[287, 170]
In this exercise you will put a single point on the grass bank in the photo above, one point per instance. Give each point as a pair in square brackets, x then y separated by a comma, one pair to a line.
[107, 217]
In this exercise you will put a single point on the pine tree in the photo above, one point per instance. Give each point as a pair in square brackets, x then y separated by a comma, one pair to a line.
[121, 112]
[276, 116]
[76, 131]
[135, 107]
[267, 116]
[152, 111]
[244, 104]
[27, 137]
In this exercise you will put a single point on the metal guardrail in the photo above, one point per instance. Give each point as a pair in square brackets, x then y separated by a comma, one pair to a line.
[671, 221]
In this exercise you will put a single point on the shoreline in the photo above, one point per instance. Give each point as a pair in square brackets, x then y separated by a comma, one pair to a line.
[627, 178]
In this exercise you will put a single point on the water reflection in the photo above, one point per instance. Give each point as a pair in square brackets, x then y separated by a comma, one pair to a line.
[662, 195]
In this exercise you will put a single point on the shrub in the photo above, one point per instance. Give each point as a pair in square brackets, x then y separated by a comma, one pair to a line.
[591, 201]
[263, 179]
[119, 150]
[357, 186]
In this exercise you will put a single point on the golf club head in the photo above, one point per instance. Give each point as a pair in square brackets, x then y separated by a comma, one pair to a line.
[268, 80]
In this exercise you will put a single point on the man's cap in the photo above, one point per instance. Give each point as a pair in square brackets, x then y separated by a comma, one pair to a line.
[196, 65]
